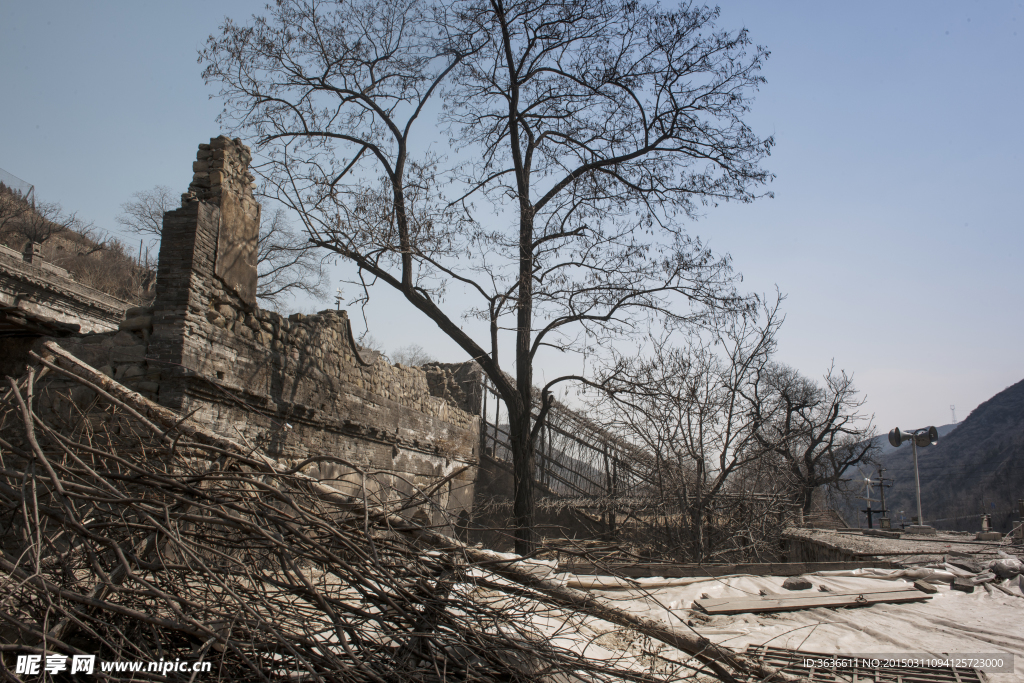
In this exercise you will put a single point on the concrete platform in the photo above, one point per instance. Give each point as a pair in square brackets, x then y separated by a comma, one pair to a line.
[821, 545]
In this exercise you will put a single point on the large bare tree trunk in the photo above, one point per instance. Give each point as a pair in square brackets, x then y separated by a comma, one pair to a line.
[522, 471]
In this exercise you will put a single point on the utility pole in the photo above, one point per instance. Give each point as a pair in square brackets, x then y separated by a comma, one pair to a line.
[868, 500]
[884, 522]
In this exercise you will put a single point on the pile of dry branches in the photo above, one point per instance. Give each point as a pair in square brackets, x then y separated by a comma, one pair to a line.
[131, 533]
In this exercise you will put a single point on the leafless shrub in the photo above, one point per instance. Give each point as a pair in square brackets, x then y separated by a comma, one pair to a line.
[412, 355]
[108, 266]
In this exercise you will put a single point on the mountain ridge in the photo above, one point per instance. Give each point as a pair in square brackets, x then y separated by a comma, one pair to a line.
[975, 468]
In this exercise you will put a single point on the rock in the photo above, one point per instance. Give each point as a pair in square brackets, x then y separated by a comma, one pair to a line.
[133, 371]
[151, 387]
[136, 311]
[128, 354]
[796, 583]
[824, 589]
[125, 339]
[141, 322]
[925, 587]
[967, 565]
[984, 577]
[107, 370]
[963, 584]
[1006, 568]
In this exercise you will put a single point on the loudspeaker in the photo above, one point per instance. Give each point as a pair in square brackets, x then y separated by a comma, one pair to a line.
[927, 436]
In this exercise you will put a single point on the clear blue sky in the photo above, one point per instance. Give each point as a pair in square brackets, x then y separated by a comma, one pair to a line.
[896, 230]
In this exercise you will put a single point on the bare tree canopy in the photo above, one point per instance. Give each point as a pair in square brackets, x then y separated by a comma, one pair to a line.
[694, 409]
[22, 222]
[578, 135]
[813, 432]
[286, 264]
[412, 355]
[143, 214]
[12, 207]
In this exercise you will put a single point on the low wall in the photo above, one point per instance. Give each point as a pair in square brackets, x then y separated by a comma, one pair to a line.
[40, 288]
[797, 546]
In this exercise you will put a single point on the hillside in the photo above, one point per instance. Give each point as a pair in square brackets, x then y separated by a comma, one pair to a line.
[976, 467]
[94, 260]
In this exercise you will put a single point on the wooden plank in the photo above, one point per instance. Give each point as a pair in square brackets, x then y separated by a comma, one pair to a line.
[796, 602]
[802, 596]
[643, 570]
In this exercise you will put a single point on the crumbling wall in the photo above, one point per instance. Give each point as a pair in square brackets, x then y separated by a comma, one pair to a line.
[295, 387]
[42, 289]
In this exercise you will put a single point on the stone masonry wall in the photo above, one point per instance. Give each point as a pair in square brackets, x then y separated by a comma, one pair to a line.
[296, 386]
[42, 288]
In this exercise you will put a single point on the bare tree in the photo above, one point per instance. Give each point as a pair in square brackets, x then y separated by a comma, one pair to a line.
[21, 222]
[814, 432]
[412, 355]
[286, 262]
[693, 408]
[12, 207]
[580, 133]
[143, 214]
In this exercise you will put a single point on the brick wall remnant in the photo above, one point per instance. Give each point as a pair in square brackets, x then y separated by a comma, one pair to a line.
[296, 386]
[221, 177]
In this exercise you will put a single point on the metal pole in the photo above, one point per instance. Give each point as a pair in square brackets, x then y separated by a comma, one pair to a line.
[917, 483]
[483, 418]
[881, 488]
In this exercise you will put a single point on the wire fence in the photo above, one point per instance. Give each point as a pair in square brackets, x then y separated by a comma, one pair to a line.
[17, 186]
[623, 494]
[574, 456]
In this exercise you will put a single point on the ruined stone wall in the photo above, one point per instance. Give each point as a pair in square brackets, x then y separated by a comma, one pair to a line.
[295, 386]
[41, 288]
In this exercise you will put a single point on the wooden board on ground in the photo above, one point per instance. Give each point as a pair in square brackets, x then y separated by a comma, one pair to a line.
[642, 570]
[786, 603]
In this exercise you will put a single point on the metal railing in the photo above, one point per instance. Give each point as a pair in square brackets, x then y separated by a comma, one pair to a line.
[17, 186]
[574, 456]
